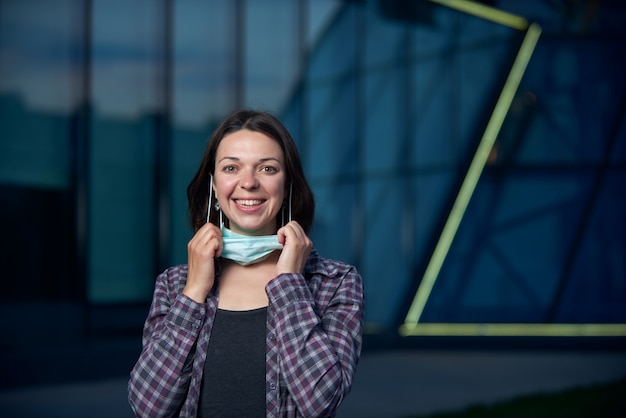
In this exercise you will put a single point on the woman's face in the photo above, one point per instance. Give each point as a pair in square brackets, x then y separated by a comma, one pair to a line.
[249, 181]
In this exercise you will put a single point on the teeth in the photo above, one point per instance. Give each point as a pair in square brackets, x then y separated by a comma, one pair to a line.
[249, 202]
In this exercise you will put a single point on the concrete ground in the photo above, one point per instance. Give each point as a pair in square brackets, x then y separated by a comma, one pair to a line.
[389, 384]
[400, 384]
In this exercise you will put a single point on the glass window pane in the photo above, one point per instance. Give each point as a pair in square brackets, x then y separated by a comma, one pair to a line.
[38, 91]
[127, 42]
[272, 52]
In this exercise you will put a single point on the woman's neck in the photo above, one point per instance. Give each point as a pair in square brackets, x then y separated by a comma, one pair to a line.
[243, 287]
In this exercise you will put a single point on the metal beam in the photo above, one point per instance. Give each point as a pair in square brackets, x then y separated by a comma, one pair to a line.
[473, 173]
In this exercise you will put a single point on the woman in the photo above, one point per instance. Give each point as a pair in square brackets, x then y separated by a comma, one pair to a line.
[257, 323]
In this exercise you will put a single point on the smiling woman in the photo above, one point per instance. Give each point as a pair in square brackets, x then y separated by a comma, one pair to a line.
[249, 181]
[256, 323]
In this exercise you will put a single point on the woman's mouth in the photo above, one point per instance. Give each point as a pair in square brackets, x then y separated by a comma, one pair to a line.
[248, 203]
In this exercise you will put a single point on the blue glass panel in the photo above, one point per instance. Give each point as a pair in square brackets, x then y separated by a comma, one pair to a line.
[386, 41]
[126, 58]
[384, 133]
[122, 210]
[320, 16]
[272, 52]
[508, 255]
[595, 290]
[335, 52]
[336, 218]
[388, 246]
[39, 54]
[330, 154]
[204, 63]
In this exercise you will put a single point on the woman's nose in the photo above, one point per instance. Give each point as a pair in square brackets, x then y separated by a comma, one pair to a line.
[248, 179]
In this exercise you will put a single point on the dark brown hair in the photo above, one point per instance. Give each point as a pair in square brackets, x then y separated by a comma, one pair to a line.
[302, 201]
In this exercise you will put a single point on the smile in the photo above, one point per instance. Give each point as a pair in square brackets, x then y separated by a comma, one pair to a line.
[248, 202]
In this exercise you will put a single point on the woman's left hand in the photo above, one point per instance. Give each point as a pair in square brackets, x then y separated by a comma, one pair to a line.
[296, 248]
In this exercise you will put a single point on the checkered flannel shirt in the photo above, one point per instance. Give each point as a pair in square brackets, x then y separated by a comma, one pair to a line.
[314, 337]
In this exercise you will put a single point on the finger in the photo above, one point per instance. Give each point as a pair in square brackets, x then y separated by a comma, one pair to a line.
[281, 236]
[207, 242]
[297, 229]
[294, 229]
[293, 235]
[208, 232]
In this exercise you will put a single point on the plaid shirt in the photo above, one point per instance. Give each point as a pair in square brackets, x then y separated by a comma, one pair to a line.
[314, 336]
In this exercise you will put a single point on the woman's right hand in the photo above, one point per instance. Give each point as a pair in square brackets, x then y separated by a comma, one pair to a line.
[202, 250]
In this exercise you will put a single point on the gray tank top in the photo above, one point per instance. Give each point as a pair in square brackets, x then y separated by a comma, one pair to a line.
[233, 382]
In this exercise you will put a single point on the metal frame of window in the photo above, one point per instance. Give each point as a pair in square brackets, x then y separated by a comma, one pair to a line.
[412, 325]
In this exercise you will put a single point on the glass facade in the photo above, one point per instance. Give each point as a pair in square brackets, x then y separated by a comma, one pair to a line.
[106, 106]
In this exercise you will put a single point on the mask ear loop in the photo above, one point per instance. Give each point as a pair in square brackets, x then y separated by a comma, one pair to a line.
[208, 212]
[290, 194]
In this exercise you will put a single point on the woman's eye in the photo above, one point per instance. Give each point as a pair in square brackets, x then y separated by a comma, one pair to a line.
[268, 169]
[229, 168]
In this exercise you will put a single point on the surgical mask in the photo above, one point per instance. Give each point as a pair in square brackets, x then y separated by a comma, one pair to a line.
[245, 249]
[248, 249]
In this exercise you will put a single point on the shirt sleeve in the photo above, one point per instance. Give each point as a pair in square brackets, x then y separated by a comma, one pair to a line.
[318, 351]
[159, 381]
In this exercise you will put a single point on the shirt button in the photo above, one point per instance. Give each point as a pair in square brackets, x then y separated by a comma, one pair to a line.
[271, 336]
[273, 386]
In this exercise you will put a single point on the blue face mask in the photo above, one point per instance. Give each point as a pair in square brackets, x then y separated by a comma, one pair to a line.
[248, 249]
[245, 249]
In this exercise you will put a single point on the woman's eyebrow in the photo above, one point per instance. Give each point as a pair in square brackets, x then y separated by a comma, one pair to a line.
[261, 160]
[264, 160]
[228, 158]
